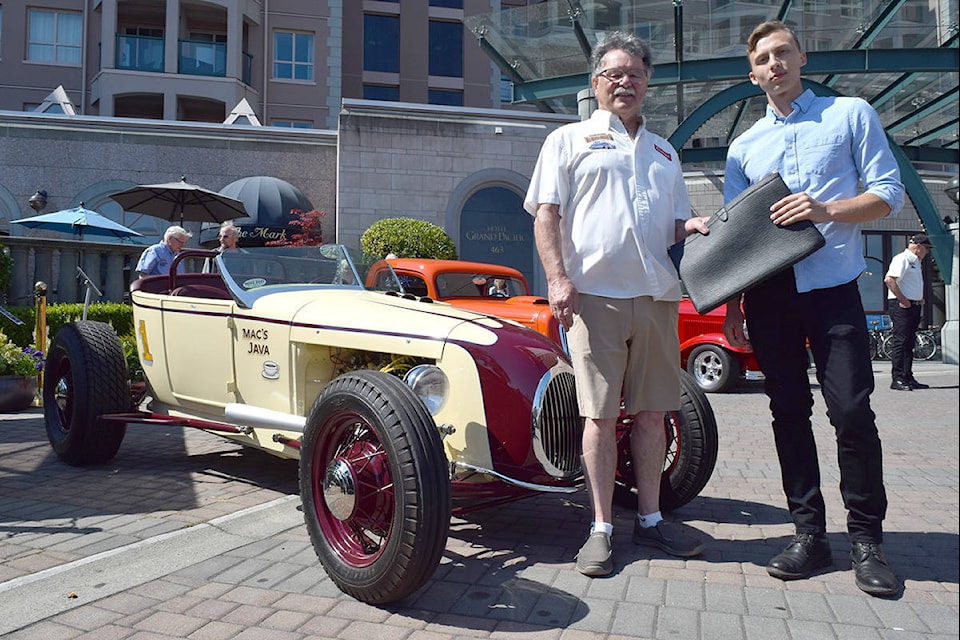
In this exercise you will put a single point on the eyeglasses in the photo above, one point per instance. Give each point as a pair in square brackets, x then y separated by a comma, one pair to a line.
[617, 74]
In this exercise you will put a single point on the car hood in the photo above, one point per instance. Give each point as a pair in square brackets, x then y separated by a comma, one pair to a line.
[312, 314]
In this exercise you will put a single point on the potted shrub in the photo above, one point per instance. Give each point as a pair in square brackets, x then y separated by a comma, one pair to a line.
[19, 367]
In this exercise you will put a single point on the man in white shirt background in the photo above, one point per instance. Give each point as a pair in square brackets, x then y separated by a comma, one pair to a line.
[904, 282]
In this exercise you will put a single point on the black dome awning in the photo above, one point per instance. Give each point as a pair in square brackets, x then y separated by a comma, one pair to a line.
[269, 201]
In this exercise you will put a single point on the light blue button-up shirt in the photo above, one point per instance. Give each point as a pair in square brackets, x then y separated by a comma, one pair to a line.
[156, 260]
[825, 147]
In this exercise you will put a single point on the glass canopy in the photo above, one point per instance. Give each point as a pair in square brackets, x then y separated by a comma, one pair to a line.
[901, 56]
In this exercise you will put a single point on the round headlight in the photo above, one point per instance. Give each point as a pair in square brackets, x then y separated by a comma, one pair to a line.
[430, 384]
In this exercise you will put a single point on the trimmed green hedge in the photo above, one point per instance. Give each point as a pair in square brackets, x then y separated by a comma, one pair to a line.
[120, 316]
[407, 238]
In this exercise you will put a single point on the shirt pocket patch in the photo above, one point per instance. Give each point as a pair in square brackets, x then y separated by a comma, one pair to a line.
[825, 155]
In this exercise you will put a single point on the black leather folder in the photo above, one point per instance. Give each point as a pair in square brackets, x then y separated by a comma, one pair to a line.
[744, 247]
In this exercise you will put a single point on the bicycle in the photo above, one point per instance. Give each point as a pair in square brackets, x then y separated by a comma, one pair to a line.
[880, 328]
[924, 348]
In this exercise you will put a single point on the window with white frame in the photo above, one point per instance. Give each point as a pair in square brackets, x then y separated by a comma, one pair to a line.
[292, 55]
[54, 36]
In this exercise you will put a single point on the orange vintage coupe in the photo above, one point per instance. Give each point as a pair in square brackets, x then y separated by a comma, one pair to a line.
[715, 364]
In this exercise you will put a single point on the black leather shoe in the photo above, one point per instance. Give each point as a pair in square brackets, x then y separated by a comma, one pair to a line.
[917, 385]
[807, 553]
[874, 576]
[900, 385]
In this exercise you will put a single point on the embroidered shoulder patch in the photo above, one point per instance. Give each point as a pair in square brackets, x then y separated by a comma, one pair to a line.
[666, 155]
[597, 136]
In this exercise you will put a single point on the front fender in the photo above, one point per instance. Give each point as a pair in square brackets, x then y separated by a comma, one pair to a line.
[526, 435]
[717, 339]
[745, 357]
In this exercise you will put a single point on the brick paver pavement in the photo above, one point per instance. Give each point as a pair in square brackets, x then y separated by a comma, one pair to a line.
[186, 535]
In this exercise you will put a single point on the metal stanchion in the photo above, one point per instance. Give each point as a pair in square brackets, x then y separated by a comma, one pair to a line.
[40, 331]
[90, 289]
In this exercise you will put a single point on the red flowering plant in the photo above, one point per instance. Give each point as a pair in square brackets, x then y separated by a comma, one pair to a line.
[311, 230]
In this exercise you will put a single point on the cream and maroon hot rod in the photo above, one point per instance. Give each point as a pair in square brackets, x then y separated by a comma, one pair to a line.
[401, 410]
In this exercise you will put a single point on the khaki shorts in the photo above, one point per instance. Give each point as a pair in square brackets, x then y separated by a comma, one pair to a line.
[625, 347]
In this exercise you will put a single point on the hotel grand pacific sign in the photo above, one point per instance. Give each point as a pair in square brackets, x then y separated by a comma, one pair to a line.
[499, 233]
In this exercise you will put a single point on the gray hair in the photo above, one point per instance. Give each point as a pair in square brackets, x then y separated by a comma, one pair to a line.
[629, 43]
[176, 230]
[230, 228]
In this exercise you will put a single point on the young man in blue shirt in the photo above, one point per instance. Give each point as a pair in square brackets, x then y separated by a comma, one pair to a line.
[823, 148]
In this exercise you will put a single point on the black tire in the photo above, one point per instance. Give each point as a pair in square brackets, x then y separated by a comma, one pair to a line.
[925, 347]
[368, 433]
[84, 377]
[713, 368]
[692, 444]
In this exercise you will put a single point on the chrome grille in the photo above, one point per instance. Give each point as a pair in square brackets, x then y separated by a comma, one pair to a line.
[557, 425]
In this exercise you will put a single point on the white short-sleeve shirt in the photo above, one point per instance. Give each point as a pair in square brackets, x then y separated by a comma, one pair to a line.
[907, 268]
[619, 198]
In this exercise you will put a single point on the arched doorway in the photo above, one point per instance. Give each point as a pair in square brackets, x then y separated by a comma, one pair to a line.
[494, 228]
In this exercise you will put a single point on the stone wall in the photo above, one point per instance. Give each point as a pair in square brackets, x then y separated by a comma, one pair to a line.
[411, 160]
[386, 160]
[86, 158]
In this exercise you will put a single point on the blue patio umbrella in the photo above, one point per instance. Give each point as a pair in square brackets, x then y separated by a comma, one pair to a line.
[79, 220]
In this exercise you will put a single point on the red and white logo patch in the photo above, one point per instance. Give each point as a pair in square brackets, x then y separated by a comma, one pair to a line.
[666, 155]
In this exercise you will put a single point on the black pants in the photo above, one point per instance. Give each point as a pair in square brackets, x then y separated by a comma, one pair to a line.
[905, 323]
[780, 321]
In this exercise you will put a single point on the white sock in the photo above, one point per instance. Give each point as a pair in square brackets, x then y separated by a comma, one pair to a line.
[649, 520]
[606, 527]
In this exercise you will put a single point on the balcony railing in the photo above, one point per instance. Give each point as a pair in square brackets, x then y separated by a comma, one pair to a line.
[139, 53]
[197, 58]
[201, 58]
[55, 262]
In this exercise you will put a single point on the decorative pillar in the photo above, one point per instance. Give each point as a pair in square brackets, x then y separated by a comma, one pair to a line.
[586, 103]
[234, 42]
[66, 290]
[113, 284]
[950, 332]
[90, 261]
[21, 290]
[171, 56]
[108, 36]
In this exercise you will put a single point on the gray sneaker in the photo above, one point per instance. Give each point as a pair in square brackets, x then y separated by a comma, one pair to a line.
[595, 557]
[668, 537]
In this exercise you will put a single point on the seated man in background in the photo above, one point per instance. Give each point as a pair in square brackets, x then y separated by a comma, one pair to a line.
[498, 289]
